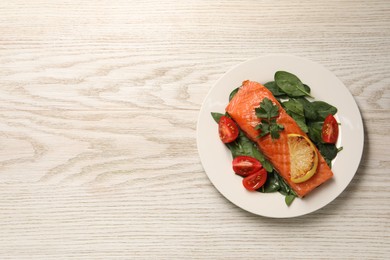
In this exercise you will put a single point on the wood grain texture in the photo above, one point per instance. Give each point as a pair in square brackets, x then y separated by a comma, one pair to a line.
[98, 108]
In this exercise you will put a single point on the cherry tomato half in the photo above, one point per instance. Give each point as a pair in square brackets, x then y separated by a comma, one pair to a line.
[255, 181]
[246, 165]
[330, 130]
[228, 129]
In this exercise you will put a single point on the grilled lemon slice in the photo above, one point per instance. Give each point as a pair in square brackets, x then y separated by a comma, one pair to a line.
[303, 157]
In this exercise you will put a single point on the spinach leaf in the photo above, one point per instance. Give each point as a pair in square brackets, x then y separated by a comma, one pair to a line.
[233, 93]
[308, 108]
[328, 151]
[278, 92]
[266, 164]
[276, 183]
[323, 109]
[271, 184]
[315, 129]
[307, 88]
[237, 147]
[289, 199]
[275, 90]
[300, 120]
[290, 84]
[296, 110]
[216, 116]
[284, 188]
[294, 106]
[244, 146]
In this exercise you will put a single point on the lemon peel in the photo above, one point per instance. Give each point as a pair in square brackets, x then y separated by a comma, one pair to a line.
[303, 157]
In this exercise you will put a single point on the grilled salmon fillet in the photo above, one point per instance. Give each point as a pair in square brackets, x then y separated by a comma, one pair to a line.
[242, 109]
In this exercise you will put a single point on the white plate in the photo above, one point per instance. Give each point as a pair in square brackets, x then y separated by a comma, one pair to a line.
[216, 158]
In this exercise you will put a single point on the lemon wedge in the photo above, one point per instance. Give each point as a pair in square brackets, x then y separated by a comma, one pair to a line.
[303, 157]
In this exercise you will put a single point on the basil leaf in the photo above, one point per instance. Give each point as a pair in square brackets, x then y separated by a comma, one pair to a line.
[323, 109]
[290, 84]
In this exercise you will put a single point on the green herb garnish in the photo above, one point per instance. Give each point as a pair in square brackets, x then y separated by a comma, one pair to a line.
[267, 111]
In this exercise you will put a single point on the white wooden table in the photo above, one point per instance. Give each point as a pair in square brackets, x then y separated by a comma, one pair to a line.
[98, 113]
